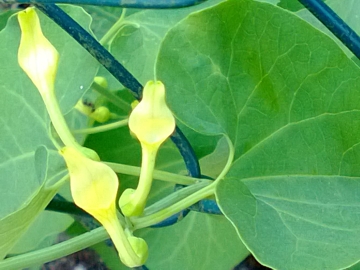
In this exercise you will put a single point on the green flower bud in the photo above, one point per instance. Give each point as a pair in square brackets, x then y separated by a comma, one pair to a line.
[84, 108]
[101, 114]
[127, 204]
[140, 247]
[101, 81]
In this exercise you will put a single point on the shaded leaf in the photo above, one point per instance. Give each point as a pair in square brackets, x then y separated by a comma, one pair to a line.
[137, 43]
[309, 218]
[200, 241]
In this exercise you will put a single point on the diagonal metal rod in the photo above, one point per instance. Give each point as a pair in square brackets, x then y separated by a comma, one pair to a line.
[335, 24]
[148, 4]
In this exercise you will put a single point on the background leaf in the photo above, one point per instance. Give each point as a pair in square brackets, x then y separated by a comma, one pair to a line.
[347, 10]
[41, 232]
[288, 98]
[25, 123]
[200, 241]
[137, 43]
[102, 18]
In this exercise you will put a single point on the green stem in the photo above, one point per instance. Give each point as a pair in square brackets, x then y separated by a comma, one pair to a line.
[146, 221]
[61, 128]
[229, 161]
[132, 202]
[110, 34]
[124, 248]
[111, 97]
[159, 175]
[142, 191]
[175, 197]
[102, 128]
[54, 252]
[58, 120]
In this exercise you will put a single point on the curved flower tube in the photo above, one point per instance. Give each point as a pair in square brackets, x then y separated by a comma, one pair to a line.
[39, 59]
[152, 122]
[94, 187]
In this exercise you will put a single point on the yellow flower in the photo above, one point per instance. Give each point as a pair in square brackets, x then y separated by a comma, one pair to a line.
[94, 187]
[36, 55]
[152, 122]
[39, 59]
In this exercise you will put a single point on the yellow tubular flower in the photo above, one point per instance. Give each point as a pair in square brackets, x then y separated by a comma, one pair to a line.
[39, 59]
[152, 122]
[94, 187]
[36, 56]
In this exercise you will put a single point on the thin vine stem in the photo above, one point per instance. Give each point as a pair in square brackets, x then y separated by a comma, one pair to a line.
[159, 175]
[111, 97]
[152, 219]
[56, 251]
[114, 29]
[101, 128]
[146, 221]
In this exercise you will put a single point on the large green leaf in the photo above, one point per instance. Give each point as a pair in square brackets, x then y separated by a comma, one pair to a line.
[288, 98]
[309, 222]
[25, 124]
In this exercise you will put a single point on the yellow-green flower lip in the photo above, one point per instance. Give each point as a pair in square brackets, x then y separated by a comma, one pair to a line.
[151, 120]
[93, 184]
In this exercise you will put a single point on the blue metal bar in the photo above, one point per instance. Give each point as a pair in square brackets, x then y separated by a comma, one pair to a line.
[335, 24]
[148, 4]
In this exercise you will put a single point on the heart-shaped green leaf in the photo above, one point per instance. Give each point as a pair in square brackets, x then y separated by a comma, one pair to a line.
[289, 99]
